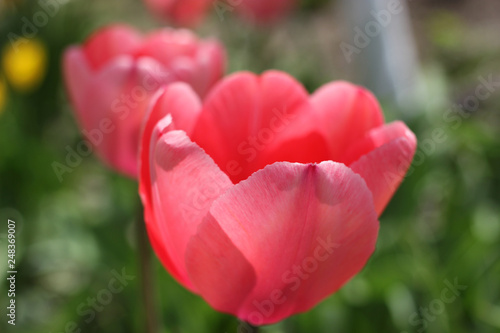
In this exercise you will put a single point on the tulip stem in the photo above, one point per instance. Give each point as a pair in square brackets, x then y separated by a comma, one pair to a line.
[251, 329]
[146, 276]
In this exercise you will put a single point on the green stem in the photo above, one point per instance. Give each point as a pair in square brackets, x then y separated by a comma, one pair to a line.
[251, 329]
[147, 281]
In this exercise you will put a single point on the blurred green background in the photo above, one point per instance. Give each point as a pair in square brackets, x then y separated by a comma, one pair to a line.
[443, 225]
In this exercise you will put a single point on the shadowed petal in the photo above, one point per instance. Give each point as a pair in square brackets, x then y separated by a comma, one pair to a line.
[220, 272]
[149, 137]
[182, 106]
[180, 102]
[184, 182]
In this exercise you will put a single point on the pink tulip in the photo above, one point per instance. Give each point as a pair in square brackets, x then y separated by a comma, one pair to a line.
[191, 12]
[263, 11]
[269, 202]
[111, 78]
[181, 12]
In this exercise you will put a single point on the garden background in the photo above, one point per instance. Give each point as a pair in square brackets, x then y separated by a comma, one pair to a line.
[442, 227]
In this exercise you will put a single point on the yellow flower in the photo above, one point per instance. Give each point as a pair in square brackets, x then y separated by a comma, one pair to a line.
[3, 94]
[24, 63]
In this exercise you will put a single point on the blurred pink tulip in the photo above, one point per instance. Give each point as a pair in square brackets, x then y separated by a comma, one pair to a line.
[111, 78]
[265, 200]
[191, 12]
[181, 12]
[264, 11]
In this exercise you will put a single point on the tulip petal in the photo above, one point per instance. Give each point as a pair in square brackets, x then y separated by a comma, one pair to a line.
[346, 112]
[184, 182]
[182, 106]
[198, 63]
[167, 45]
[218, 269]
[374, 139]
[211, 61]
[151, 132]
[118, 95]
[179, 100]
[309, 148]
[226, 112]
[175, 101]
[77, 75]
[246, 115]
[305, 229]
[102, 106]
[109, 43]
[384, 167]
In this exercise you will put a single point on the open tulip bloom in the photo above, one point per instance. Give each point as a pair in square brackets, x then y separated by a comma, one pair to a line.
[111, 78]
[265, 200]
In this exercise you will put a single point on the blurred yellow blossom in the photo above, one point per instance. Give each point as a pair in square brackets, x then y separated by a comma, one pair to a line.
[25, 63]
